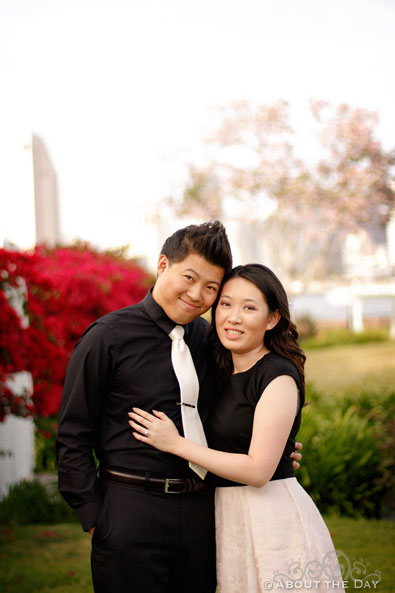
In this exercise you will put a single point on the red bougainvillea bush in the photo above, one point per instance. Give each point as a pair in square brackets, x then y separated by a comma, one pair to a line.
[47, 299]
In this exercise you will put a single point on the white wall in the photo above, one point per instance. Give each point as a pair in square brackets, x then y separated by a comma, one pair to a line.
[16, 440]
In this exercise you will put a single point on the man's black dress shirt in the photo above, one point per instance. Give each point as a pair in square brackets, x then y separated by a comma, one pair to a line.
[123, 360]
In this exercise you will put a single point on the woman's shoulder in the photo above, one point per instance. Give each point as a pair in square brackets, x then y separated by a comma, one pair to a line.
[274, 365]
[278, 361]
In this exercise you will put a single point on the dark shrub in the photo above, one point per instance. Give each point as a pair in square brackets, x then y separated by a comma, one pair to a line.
[30, 502]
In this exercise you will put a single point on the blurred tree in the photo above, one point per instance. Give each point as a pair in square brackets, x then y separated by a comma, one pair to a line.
[312, 206]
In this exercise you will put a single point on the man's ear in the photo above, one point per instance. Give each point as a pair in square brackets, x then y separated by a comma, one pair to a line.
[163, 264]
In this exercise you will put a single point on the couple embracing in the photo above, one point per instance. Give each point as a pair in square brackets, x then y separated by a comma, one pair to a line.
[191, 422]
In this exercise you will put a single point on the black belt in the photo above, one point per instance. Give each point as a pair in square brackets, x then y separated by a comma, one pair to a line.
[167, 485]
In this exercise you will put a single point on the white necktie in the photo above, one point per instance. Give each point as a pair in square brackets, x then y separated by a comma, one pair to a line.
[189, 388]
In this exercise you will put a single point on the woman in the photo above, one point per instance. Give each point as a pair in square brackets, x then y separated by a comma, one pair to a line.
[268, 530]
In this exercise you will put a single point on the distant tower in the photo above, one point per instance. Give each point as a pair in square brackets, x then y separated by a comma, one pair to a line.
[45, 194]
[29, 194]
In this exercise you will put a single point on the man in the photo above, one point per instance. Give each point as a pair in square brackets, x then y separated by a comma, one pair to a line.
[150, 516]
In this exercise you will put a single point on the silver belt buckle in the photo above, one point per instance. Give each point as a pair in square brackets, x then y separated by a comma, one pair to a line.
[167, 486]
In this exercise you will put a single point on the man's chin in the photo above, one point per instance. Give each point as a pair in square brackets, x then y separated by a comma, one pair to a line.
[187, 316]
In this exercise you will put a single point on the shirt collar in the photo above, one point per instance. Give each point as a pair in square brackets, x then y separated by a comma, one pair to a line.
[157, 314]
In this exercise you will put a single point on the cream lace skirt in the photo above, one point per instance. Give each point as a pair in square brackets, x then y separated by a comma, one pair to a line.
[273, 538]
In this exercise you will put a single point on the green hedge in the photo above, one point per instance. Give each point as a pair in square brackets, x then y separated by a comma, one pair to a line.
[46, 429]
[348, 442]
[340, 336]
[29, 502]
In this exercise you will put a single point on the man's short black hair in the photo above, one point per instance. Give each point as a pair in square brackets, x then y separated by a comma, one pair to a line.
[208, 240]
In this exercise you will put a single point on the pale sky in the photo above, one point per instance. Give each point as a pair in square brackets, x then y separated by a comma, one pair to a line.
[123, 91]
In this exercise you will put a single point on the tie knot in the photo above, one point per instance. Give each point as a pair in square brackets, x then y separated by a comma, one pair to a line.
[177, 333]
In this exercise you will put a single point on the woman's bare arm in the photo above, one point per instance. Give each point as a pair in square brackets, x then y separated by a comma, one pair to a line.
[273, 419]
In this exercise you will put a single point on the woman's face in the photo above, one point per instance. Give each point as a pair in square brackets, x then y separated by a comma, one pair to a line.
[242, 317]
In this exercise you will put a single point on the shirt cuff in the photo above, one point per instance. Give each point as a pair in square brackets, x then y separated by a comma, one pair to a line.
[88, 514]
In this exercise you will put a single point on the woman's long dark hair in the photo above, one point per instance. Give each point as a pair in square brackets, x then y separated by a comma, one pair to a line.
[282, 339]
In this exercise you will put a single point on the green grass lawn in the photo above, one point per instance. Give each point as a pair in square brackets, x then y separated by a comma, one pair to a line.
[55, 558]
[45, 559]
[370, 542]
[335, 368]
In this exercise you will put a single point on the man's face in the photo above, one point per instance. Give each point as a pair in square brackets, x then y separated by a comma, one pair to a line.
[188, 288]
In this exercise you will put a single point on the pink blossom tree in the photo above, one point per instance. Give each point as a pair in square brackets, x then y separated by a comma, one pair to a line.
[314, 206]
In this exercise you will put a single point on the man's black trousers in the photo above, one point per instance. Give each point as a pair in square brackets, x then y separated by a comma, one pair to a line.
[152, 542]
